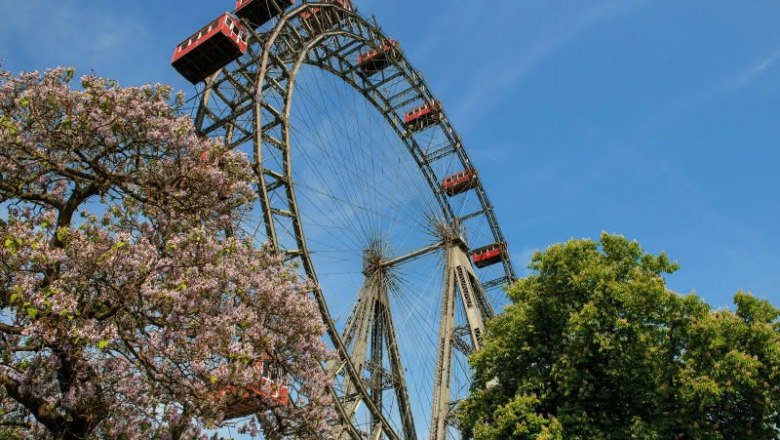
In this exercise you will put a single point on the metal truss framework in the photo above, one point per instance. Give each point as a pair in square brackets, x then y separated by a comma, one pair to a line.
[461, 283]
[248, 103]
[369, 333]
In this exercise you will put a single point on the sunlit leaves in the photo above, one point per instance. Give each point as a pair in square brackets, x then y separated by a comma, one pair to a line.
[596, 347]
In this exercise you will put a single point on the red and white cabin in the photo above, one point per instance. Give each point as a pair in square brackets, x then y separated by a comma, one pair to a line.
[489, 255]
[211, 48]
[423, 116]
[249, 400]
[374, 61]
[260, 12]
[459, 182]
[319, 20]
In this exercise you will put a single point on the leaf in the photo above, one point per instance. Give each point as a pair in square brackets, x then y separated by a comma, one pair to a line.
[11, 245]
[102, 344]
[62, 233]
[213, 379]
[70, 72]
[8, 124]
[32, 312]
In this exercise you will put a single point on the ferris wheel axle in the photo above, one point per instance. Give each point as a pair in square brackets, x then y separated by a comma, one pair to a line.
[384, 264]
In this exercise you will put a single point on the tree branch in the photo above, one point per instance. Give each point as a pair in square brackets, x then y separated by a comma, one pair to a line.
[12, 329]
[44, 412]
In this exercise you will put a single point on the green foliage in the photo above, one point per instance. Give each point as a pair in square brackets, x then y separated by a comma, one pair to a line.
[595, 346]
[9, 434]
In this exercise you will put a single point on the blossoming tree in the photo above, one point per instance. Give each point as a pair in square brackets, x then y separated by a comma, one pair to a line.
[128, 297]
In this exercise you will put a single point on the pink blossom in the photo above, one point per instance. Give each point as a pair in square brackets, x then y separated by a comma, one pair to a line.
[125, 305]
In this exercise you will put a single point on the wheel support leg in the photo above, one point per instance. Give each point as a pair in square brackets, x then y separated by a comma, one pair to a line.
[441, 394]
[459, 278]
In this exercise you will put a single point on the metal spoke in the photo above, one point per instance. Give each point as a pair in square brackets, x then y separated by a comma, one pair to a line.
[249, 103]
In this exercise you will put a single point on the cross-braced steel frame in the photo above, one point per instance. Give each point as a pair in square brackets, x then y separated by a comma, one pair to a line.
[249, 102]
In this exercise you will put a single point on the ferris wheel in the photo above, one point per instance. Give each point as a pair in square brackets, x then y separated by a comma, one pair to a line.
[365, 186]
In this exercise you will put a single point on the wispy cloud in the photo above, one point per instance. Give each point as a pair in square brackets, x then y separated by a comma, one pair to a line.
[620, 151]
[754, 72]
[704, 94]
[623, 151]
[97, 37]
[508, 68]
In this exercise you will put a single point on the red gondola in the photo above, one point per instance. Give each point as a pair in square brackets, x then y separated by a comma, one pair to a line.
[459, 182]
[248, 401]
[259, 12]
[319, 20]
[375, 61]
[488, 255]
[210, 49]
[423, 116]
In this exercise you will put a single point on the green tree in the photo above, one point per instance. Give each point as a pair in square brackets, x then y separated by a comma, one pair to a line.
[595, 346]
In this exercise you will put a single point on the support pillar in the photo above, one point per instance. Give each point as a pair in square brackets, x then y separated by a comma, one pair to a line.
[459, 281]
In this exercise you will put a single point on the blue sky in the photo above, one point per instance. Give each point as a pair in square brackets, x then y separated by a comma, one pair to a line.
[654, 119]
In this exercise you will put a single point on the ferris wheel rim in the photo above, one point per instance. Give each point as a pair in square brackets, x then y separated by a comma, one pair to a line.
[268, 40]
[410, 74]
